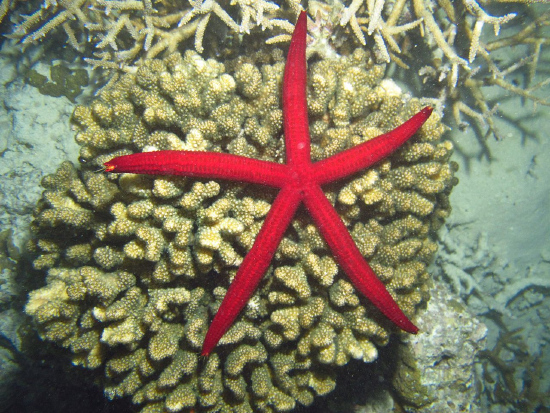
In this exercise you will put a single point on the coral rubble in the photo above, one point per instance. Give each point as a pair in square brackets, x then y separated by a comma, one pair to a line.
[137, 265]
[437, 371]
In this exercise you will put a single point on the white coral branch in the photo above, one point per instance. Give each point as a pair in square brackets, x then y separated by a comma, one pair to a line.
[481, 18]
[511, 291]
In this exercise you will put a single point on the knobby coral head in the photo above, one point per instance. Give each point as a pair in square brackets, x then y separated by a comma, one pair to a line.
[299, 181]
[136, 266]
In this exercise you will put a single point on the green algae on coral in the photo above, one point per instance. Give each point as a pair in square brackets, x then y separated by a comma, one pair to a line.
[63, 81]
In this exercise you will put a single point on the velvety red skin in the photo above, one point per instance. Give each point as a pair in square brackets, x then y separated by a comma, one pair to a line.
[300, 180]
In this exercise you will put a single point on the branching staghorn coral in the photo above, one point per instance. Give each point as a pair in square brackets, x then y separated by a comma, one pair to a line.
[167, 23]
[123, 31]
[459, 61]
[144, 262]
[5, 6]
[443, 43]
[470, 99]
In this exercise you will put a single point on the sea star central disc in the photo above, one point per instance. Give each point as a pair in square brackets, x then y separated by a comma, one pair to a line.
[299, 181]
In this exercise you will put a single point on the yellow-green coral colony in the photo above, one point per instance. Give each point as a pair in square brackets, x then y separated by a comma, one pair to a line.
[137, 265]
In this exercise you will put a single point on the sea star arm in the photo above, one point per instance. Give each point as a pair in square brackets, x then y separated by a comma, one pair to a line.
[350, 259]
[368, 153]
[211, 165]
[254, 265]
[296, 125]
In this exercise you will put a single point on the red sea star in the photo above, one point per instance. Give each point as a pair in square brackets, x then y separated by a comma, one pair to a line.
[299, 181]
